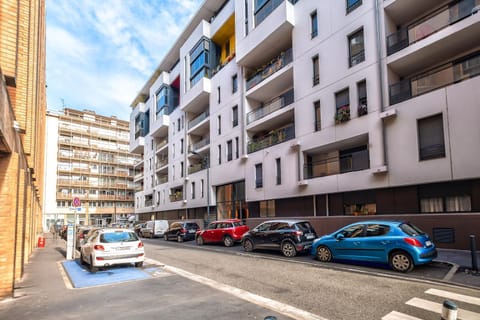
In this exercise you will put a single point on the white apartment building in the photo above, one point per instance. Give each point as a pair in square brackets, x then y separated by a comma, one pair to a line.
[330, 110]
[88, 169]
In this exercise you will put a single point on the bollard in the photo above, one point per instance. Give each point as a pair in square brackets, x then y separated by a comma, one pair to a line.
[473, 251]
[449, 310]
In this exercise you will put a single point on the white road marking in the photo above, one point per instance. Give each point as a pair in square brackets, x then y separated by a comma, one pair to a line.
[395, 315]
[454, 296]
[267, 303]
[437, 308]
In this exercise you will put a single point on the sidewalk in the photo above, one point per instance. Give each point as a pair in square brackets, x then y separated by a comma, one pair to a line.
[461, 266]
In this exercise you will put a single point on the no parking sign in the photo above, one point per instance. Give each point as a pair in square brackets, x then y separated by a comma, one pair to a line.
[76, 202]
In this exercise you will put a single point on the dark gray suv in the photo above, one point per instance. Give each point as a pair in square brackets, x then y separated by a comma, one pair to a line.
[288, 236]
[181, 231]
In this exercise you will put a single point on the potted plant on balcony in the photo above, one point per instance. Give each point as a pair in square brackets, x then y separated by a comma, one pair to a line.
[342, 114]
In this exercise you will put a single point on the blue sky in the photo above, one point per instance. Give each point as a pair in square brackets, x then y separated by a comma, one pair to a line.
[100, 53]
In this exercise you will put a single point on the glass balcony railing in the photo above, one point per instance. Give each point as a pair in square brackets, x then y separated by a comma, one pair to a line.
[445, 75]
[348, 162]
[197, 167]
[279, 102]
[200, 144]
[274, 137]
[204, 115]
[267, 70]
[431, 24]
[266, 8]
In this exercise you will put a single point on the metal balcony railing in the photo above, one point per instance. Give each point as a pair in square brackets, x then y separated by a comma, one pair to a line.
[430, 24]
[445, 75]
[273, 138]
[279, 102]
[273, 66]
[353, 161]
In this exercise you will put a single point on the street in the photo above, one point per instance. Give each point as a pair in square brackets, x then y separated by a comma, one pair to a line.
[332, 292]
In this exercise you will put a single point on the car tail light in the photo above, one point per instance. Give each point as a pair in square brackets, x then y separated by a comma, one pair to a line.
[98, 247]
[140, 244]
[413, 242]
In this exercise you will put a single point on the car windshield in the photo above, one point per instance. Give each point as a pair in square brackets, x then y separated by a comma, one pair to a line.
[118, 237]
[411, 230]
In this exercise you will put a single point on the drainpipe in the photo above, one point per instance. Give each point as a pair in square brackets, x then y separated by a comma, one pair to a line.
[378, 29]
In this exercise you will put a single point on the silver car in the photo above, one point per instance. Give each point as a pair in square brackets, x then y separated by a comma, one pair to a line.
[108, 247]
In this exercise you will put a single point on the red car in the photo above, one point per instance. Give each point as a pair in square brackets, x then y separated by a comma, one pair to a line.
[226, 231]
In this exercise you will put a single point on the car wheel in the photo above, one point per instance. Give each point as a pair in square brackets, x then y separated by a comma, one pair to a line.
[324, 254]
[401, 261]
[92, 267]
[200, 241]
[228, 241]
[165, 237]
[179, 238]
[248, 245]
[288, 249]
[138, 264]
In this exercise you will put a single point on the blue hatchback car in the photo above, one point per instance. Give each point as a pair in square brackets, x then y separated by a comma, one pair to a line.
[399, 244]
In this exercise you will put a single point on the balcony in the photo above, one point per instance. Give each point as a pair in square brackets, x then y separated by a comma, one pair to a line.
[272, 106]
[159, 146]
[456, 71]
[198, 119]
[161, 162]
[160, 126]
[195, 99]
[431, 24]
[197, 167]
[270, 68]
[176, 195]
[342, 114]
[272, 138]
[195, 147]
[272, 35]
[162, 179]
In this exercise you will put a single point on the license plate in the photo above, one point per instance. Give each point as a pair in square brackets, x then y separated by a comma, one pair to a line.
[192, 231]
[122, 248]
[309, 236]
[428, 243]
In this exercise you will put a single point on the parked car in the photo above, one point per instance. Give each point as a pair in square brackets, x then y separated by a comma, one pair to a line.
[80, 236]
[139, 227]
[154, 228]
[288, 236]
[108, 247]
[227, 231]
[399, 244]
[181, 231]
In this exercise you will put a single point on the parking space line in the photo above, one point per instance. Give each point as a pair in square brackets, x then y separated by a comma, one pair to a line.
[395, 315]
[437, 308]
[267, 303]
[454, 296]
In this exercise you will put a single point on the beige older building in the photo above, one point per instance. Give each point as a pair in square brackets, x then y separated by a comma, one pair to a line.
[88, 161]
[22, 134]
[333, 111]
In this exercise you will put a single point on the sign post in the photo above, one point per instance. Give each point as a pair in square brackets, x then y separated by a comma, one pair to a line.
[71, 231]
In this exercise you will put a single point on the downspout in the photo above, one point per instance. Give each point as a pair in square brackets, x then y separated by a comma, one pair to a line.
[378, 30]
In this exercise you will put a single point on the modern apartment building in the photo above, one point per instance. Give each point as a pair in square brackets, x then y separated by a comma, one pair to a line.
[89, 170]
[330, 110]
[22, 132]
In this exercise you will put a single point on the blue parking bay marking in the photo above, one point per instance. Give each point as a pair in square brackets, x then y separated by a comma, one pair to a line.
[80, 277]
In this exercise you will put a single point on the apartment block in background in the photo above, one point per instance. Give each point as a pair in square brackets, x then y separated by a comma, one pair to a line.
[89, 172]
[22, 134]
[333, 111]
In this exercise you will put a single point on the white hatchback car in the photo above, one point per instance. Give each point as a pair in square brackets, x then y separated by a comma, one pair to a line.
[107, 247]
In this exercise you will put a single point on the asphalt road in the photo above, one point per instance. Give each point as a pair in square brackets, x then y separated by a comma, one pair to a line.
[332, 291]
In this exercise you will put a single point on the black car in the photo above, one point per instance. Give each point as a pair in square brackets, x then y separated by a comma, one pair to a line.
[288, 236]
[181, 231]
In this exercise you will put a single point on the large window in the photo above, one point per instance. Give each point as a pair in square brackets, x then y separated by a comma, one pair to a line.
[231, 201]
[199, 62]
[362, 98]
[431, 144]
[357, 48]
[258, 175]
[354, 159]
[162, 102]
[342, 103]
[353, 4]
[314, 24]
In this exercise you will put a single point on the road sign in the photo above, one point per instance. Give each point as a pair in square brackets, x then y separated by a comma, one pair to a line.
[76, 202]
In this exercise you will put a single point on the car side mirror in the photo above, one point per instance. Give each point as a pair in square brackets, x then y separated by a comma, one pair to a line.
[340, 236]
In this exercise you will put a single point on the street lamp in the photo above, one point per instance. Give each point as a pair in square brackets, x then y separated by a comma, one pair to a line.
[206, 160]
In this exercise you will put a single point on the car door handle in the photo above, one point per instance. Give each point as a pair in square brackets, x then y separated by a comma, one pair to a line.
[384, 242]
[356, 243]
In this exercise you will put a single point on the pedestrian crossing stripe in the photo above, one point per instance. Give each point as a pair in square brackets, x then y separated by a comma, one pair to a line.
[454, 296]
[437, 308]
[395, 315]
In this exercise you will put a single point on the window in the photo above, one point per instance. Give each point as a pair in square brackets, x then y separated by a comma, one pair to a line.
[181, 146]
[234, 83]
[354, 159]
[431, 142]
[362, 98]
[235, 116]
[219, 125]
[278, 165]
[227, 48]
[357, 48]
[352, 5]
[316, 70]
[178, 124]
[314, 24]
[237, 147]
[181, 169]
[199, 62]
[219, 154]
[201, 188]
[229, 150]
[193, 190]
[267, 209]
[162, 102]
[219, 97]
[318, 117]
[342, 103]
[258, 175]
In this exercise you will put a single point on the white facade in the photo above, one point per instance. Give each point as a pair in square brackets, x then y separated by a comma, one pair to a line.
[362, 146]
